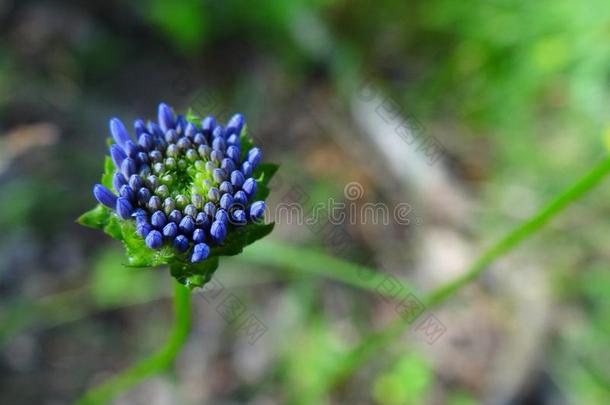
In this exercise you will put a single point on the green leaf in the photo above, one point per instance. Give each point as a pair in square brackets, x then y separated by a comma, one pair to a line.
[108, 173]
[96, 218]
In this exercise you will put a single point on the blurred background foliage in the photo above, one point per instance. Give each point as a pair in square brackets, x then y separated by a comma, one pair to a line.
[516, 91]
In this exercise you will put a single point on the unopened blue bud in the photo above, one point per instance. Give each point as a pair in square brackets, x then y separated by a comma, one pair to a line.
[219, 175]
[155, 130]
[171, 136]
[219, 144]
[249, 187]
[104, 196]
[181, 243]
[117, 181]
[233, 140]
[218, 231]
[128, 167]
[208, 124]
[190, 130]
[202, 220]
[246, 169]
[226, 187]
[181, 123]
[254, 156]
[240, 198]
[213, 194]
[131, 149]
[117, 154]
[204, 151]
[218, 131]
[170, 230]
[158, 219]
[209, 209]
[146, 141]
[237, 178]
[198, 235]
[199, 139]
[175, 216]
[142, 158]
[226, 201]
[216, 156]
[166, 117]
[235, 124]
[222, 216]
[140, 127]
[234, 153]
[124, 208]
[183, 144]
[190, 210]
[257, 210]
[140, 215]
[119, 132]
[227, 165]
[155, 156]
[127, 192]
[154, 203]
[187, 225]
[238, 217]
[135, 182]
[154, 240]
[201, 252]
[143, 229]
[144, 195]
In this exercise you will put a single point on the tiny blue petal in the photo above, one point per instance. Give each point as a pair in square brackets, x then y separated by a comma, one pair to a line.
[154, 240]
[119, 132]
[124, 208]
[201, 251]
[181, 243]
[104, 196]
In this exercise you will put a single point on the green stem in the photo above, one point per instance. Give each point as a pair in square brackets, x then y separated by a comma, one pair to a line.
[369, 346]
[153, 364]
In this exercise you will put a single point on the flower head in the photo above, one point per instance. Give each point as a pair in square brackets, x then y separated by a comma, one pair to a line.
[187, 188]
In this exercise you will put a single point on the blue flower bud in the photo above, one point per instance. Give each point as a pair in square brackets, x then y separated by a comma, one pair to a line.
[219, 175]
[199, 139]
[240, 198]
[187, 225]
[171, 136]
[222, 216]
[104, 196]
[219, 144]
[154, 240]
[154, 203]
[190, 130]
[204, 151]
[155, 156]
[183, 144]
[254, 156]
[198, 235]
[181, 123]
[135, 182]
[213, 194]
[226, 187]
[216, 156]
[155, 130]
[237, 178]
[202, 220]
[119, 132]
[238, 217]
[146, 141]
[117, 154]
[143, 229]
[181, 243]
[210, 209]
[124, 208]
[140, 215]
[218, 131]
[235, 124]
[128, 167]
[127, 192]
[166, 117]
[227, 165]
[144, 195]
[226, 201]
[142, 158]
[207, 125]
[117, 181]
[190, 210]
[131, 149]
[246, 168]
[170, 230]
[249, 187]
[158, 219]
[218, 231]
[201, 252]
[140, 127]
[234, 153]
[233, 140]
[175, 216]
[257, 210]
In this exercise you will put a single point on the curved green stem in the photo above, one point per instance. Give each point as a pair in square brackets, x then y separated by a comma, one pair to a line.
[153, 364]
[364, 351]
